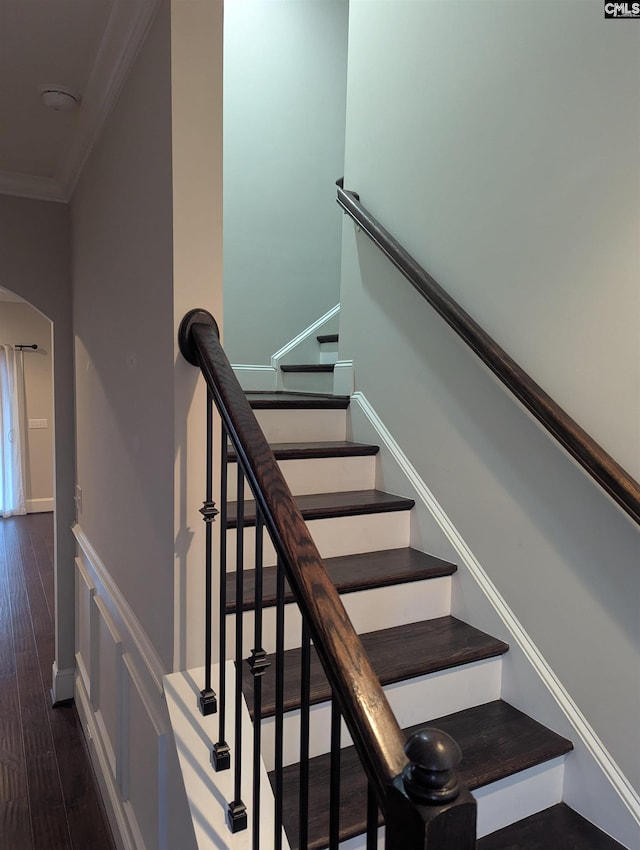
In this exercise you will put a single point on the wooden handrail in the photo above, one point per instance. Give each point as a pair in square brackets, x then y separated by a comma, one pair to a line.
[371, 722]
[614, 480]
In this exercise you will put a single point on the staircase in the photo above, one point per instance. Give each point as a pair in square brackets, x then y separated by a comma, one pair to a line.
[313, 377]
[436, 669]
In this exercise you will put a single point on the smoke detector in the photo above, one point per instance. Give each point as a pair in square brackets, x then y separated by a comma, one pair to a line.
[59, 98]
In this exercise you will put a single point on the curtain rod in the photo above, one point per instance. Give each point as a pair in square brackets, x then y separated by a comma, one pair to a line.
[23, 346]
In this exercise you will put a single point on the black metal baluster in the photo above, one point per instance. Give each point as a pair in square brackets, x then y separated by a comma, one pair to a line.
[221, 754]
[237, 811]
[279, 718]
[258, 664]
[208, 702]
[305, 694]
[334, 778]
[372, 819]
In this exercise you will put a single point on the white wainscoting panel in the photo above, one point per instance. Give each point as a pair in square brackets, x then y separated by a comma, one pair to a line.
[142, 745]
[109, 688]
[85, 591]
[121, 703]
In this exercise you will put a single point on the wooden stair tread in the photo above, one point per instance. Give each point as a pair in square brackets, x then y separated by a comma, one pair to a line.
[349, 573]
[327, 338]
[307, 367]
[397, 653]
[327, 505]
[296, 401]
[558, 826]
[318, 449]
[496, 741]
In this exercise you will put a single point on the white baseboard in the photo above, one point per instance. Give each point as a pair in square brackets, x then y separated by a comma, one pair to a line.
[583, 733]
[40, 506]
[62, 687]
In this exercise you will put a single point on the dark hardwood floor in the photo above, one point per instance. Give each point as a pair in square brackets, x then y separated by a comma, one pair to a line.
[48, 792]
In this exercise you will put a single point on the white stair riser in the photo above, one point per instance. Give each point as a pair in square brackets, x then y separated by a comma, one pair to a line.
[360, 842]
[518, 796]
[321, 475]
[369, 610]
[286, 426]
[434, 695]
[329, 352]
[335, 536]
[307, 382]
[504, 802]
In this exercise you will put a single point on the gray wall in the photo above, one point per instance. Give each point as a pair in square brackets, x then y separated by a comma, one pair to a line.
[147, 238]
[284, 113]
[35, 264]
[504, 168]
[21, 323]
[123, 320]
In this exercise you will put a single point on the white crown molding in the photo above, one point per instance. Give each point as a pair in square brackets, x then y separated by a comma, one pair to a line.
[30, 186]
[126, 29]
[128, 25]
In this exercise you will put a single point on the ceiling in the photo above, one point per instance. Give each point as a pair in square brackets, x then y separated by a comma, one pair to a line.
[86, 46]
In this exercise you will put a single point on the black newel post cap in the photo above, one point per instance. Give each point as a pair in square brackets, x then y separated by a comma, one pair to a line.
[430, 777]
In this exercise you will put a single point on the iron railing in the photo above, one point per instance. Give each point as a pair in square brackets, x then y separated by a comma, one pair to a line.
[413, 785]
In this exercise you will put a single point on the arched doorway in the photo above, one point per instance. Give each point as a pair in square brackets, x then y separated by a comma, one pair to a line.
[29, 334]
[49, 449]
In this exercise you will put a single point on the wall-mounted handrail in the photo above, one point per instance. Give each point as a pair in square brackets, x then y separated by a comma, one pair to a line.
[615, 480]
[416, 793]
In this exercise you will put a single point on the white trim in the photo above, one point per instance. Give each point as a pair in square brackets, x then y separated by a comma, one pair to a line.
[305, 334]
[124, 35]
[132, 677]
[40, 506]
[62, 687]
[149, 705]
[103, 616]
[254, 377]
[343, 377]
[116, 812]
[589, 738]
[123, 611]
[261, 377]
[84, 666]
